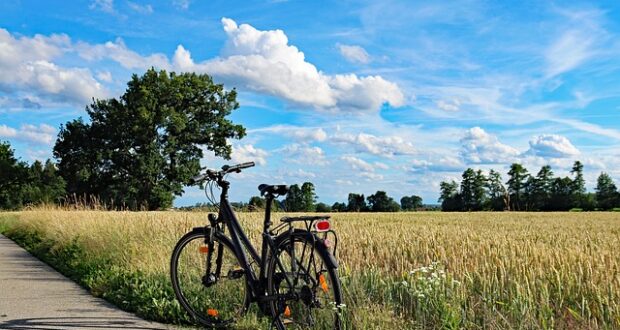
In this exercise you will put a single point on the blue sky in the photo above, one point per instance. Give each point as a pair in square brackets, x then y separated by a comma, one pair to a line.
[353, 96]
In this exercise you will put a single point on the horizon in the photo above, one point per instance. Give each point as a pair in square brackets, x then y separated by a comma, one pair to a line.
[346, 99]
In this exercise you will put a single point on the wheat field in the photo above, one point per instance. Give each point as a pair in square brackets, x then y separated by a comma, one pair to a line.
[399, 270]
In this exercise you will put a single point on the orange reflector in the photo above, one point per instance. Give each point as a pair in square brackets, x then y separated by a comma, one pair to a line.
[287, 312]
[323, 283]
[212, 312]
[204, 249]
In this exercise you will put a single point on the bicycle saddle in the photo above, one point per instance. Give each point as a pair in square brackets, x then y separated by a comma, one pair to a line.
[279, 189]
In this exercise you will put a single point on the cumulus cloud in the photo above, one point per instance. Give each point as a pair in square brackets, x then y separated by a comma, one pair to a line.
[552, 146]
[250, 56]
[248, 153]
[35, 135]
[300, 134]
[27, 66]
[354, 54]
[387, 146]
[358, 164]
[478, 146]
[449, 105]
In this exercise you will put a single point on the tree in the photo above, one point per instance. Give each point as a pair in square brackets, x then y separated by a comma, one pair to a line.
[516, 185]
[294, 199]
[450, 198]
[13, 174]
[539, 190]
[257, 202]
[606, 192]
[339, 207]
[473, 192]
[578, 186]
[412, 202]
[499, 199]
[140, 150]
[560, 195]
[357, 203]
[44, 184]
[308, 197]
[381, 202]
[322, 207]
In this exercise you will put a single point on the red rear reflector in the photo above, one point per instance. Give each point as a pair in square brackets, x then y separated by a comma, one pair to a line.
[322, 225]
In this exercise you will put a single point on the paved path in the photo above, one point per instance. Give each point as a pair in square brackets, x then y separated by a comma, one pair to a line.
[35, 296]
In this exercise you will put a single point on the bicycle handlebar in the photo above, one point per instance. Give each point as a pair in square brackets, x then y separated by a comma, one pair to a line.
[214, 174]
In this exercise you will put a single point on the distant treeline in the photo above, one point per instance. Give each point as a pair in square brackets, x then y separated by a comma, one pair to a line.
[304, 199]
[526, 192]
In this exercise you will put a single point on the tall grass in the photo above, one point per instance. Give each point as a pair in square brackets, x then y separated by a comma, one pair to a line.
[399, 270]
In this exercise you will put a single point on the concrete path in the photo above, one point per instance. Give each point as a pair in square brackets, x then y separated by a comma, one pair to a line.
[35, 296]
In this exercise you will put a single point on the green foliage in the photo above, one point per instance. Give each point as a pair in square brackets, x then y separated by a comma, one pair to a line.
[413, 202]
[356, 203]
[449, 196]
[308, 197]
[339, 207]
[542, 192]
[257, 202]
[606, 192]
[516, 186]
[322, 207]
[381, 202]
[139, 151]
[21, 184]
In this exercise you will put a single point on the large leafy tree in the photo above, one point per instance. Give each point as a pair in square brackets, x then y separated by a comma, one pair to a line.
[294, 199]
[44, 184]
[139, 150]
[539, 189]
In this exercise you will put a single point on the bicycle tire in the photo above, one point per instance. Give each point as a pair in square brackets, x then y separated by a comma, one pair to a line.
[332, 306]
[206, 304]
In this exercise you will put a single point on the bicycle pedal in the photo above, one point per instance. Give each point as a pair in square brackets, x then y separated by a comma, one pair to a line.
[236, 273]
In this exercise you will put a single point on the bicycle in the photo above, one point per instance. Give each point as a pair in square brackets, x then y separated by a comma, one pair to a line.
[294, 279]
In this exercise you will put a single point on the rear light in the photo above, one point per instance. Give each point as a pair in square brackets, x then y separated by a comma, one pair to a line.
[322, 225]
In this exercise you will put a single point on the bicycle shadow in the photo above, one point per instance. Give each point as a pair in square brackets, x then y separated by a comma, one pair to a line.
[55, 323]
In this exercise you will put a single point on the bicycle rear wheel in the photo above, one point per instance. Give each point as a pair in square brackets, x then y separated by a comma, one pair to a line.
[214, 299]
[305, 270]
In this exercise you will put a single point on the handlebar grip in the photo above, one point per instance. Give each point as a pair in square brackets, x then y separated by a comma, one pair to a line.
[198, 178]
[245, 165]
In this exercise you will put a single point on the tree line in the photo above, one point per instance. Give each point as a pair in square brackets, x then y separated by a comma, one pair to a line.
[304, 199]
[527, 192]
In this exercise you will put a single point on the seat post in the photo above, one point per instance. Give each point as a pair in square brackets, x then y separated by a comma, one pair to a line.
[267, 223]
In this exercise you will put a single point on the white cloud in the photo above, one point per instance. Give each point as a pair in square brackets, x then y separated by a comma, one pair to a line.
[106, 6]
[248, 153]
[142, 9]
[181, 4]
[118, 52]
[552, 146]
[479, 146]
[104, 76]
[300, 134]
[353, 53]
[452, 105]
[43, 134]
[26, 66]
[442, 164]
[251, 55]
[303, 154]
[358, 164]
[386, 146]
[370, 176]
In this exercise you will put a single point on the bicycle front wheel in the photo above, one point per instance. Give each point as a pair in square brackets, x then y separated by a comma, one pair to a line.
[215, 298]
[307, 273]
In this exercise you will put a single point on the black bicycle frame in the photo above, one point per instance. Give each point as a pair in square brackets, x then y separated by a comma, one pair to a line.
[240, 240]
